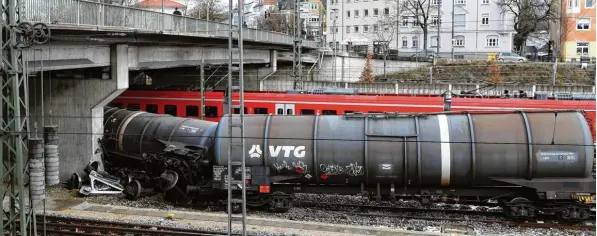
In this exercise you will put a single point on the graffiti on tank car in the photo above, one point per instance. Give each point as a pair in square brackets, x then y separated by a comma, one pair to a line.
[275, 151]
[353, 169]
[293, 166]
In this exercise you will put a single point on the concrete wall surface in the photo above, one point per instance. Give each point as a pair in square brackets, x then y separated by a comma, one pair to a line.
[76, 107]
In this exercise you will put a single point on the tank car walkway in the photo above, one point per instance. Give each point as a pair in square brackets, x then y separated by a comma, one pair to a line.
[80, 208]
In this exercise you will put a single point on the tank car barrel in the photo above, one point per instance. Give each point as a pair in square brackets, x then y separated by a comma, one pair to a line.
[443, 149]
[137, 132]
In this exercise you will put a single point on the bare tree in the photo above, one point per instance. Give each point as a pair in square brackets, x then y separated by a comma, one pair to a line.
[420, 10]
[208, 9]
[276, 21]
[529, 16]
[382, 33]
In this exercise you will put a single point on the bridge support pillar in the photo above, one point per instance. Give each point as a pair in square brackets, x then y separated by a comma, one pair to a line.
[75, 105]
[273, 60]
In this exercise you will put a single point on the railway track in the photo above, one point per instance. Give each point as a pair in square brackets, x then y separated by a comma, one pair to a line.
[329, 205]
[457, 215]
[60, 225]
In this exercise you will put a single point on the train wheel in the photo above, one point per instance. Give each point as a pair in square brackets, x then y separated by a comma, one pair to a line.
[573, 213]
[520, 208]
[133, 190]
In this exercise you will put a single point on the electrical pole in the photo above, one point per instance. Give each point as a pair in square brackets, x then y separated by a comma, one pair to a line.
[236, 132]
[14, 118]
[334, 17]
[453, 6]
[438, 23]
[297, 66]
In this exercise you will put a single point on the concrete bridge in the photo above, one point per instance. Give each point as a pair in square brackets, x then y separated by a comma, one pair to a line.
[93, 48]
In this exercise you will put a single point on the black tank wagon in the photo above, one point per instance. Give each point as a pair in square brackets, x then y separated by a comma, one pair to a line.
[540, 160]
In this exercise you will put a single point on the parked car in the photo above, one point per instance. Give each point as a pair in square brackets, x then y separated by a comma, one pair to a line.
[510, 56]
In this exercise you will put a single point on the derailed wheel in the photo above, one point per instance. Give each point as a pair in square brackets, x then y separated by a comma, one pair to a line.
[74, 182]
[133, 190]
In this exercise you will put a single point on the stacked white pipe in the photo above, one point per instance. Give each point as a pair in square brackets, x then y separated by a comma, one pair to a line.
[37, 186]
[51, 154]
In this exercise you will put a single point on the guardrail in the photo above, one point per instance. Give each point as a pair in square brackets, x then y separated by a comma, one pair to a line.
[88, 13]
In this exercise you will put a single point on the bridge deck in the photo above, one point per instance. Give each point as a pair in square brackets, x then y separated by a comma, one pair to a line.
[67, 13]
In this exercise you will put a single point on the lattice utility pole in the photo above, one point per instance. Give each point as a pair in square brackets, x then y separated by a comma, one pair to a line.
[15, 36]
[297, 66]
[236, 132]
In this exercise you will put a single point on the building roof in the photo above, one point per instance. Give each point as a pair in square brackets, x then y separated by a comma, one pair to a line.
[158, 3]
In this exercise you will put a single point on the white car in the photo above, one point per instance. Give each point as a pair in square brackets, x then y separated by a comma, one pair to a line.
[510, 56]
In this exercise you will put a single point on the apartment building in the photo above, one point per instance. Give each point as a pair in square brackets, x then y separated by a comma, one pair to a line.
[480, 27]
[577, 30]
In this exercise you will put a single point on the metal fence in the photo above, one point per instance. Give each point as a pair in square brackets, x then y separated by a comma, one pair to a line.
[474, 90]
[88, 13]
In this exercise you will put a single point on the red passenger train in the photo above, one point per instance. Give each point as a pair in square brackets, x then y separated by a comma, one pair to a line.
[187, 104]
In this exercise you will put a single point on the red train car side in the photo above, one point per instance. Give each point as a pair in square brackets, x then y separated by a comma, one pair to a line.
[187, 104]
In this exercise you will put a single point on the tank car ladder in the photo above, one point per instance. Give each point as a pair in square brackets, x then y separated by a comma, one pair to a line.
[236, 132]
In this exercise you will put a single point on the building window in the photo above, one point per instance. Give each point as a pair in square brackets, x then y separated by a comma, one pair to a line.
[405, 21]
[151, 108]
[460, 2]
[415, 42]
[582, 48]
[348, 29]
[192, 111]
[336, 29]
[583, 23]
[365, 28]
[485, 19]
[459, 20]
[459, 41]
[347, 14]
[404, 42]
[589, 3]
[433, 42]
[386, 11]
[307, 112]
[485, 2]
[492, 41]
[435, 21]
[170, 110]
[134, 106]
[259, 110]
[375, 28]
[366, 13]
[356, 28]
[211, 111]
[356, 13]
[375, 12]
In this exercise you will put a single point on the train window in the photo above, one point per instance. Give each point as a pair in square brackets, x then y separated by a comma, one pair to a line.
[170, 110]
[307, 112]
[328, 112]
[260, 110]
[152, 108]
[193, 111]
[235, 110]
[349, 112]
[280, 111]
[134, 106]
[119, 105]
[289, 112]
[211, 111]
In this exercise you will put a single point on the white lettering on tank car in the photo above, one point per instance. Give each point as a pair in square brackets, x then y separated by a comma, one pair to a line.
[298, 152]
[386, 166]
[189, 129]
[255, 151]
[274, 151]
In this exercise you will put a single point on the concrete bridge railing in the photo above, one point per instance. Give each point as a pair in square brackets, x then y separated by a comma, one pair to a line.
[89, 13]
